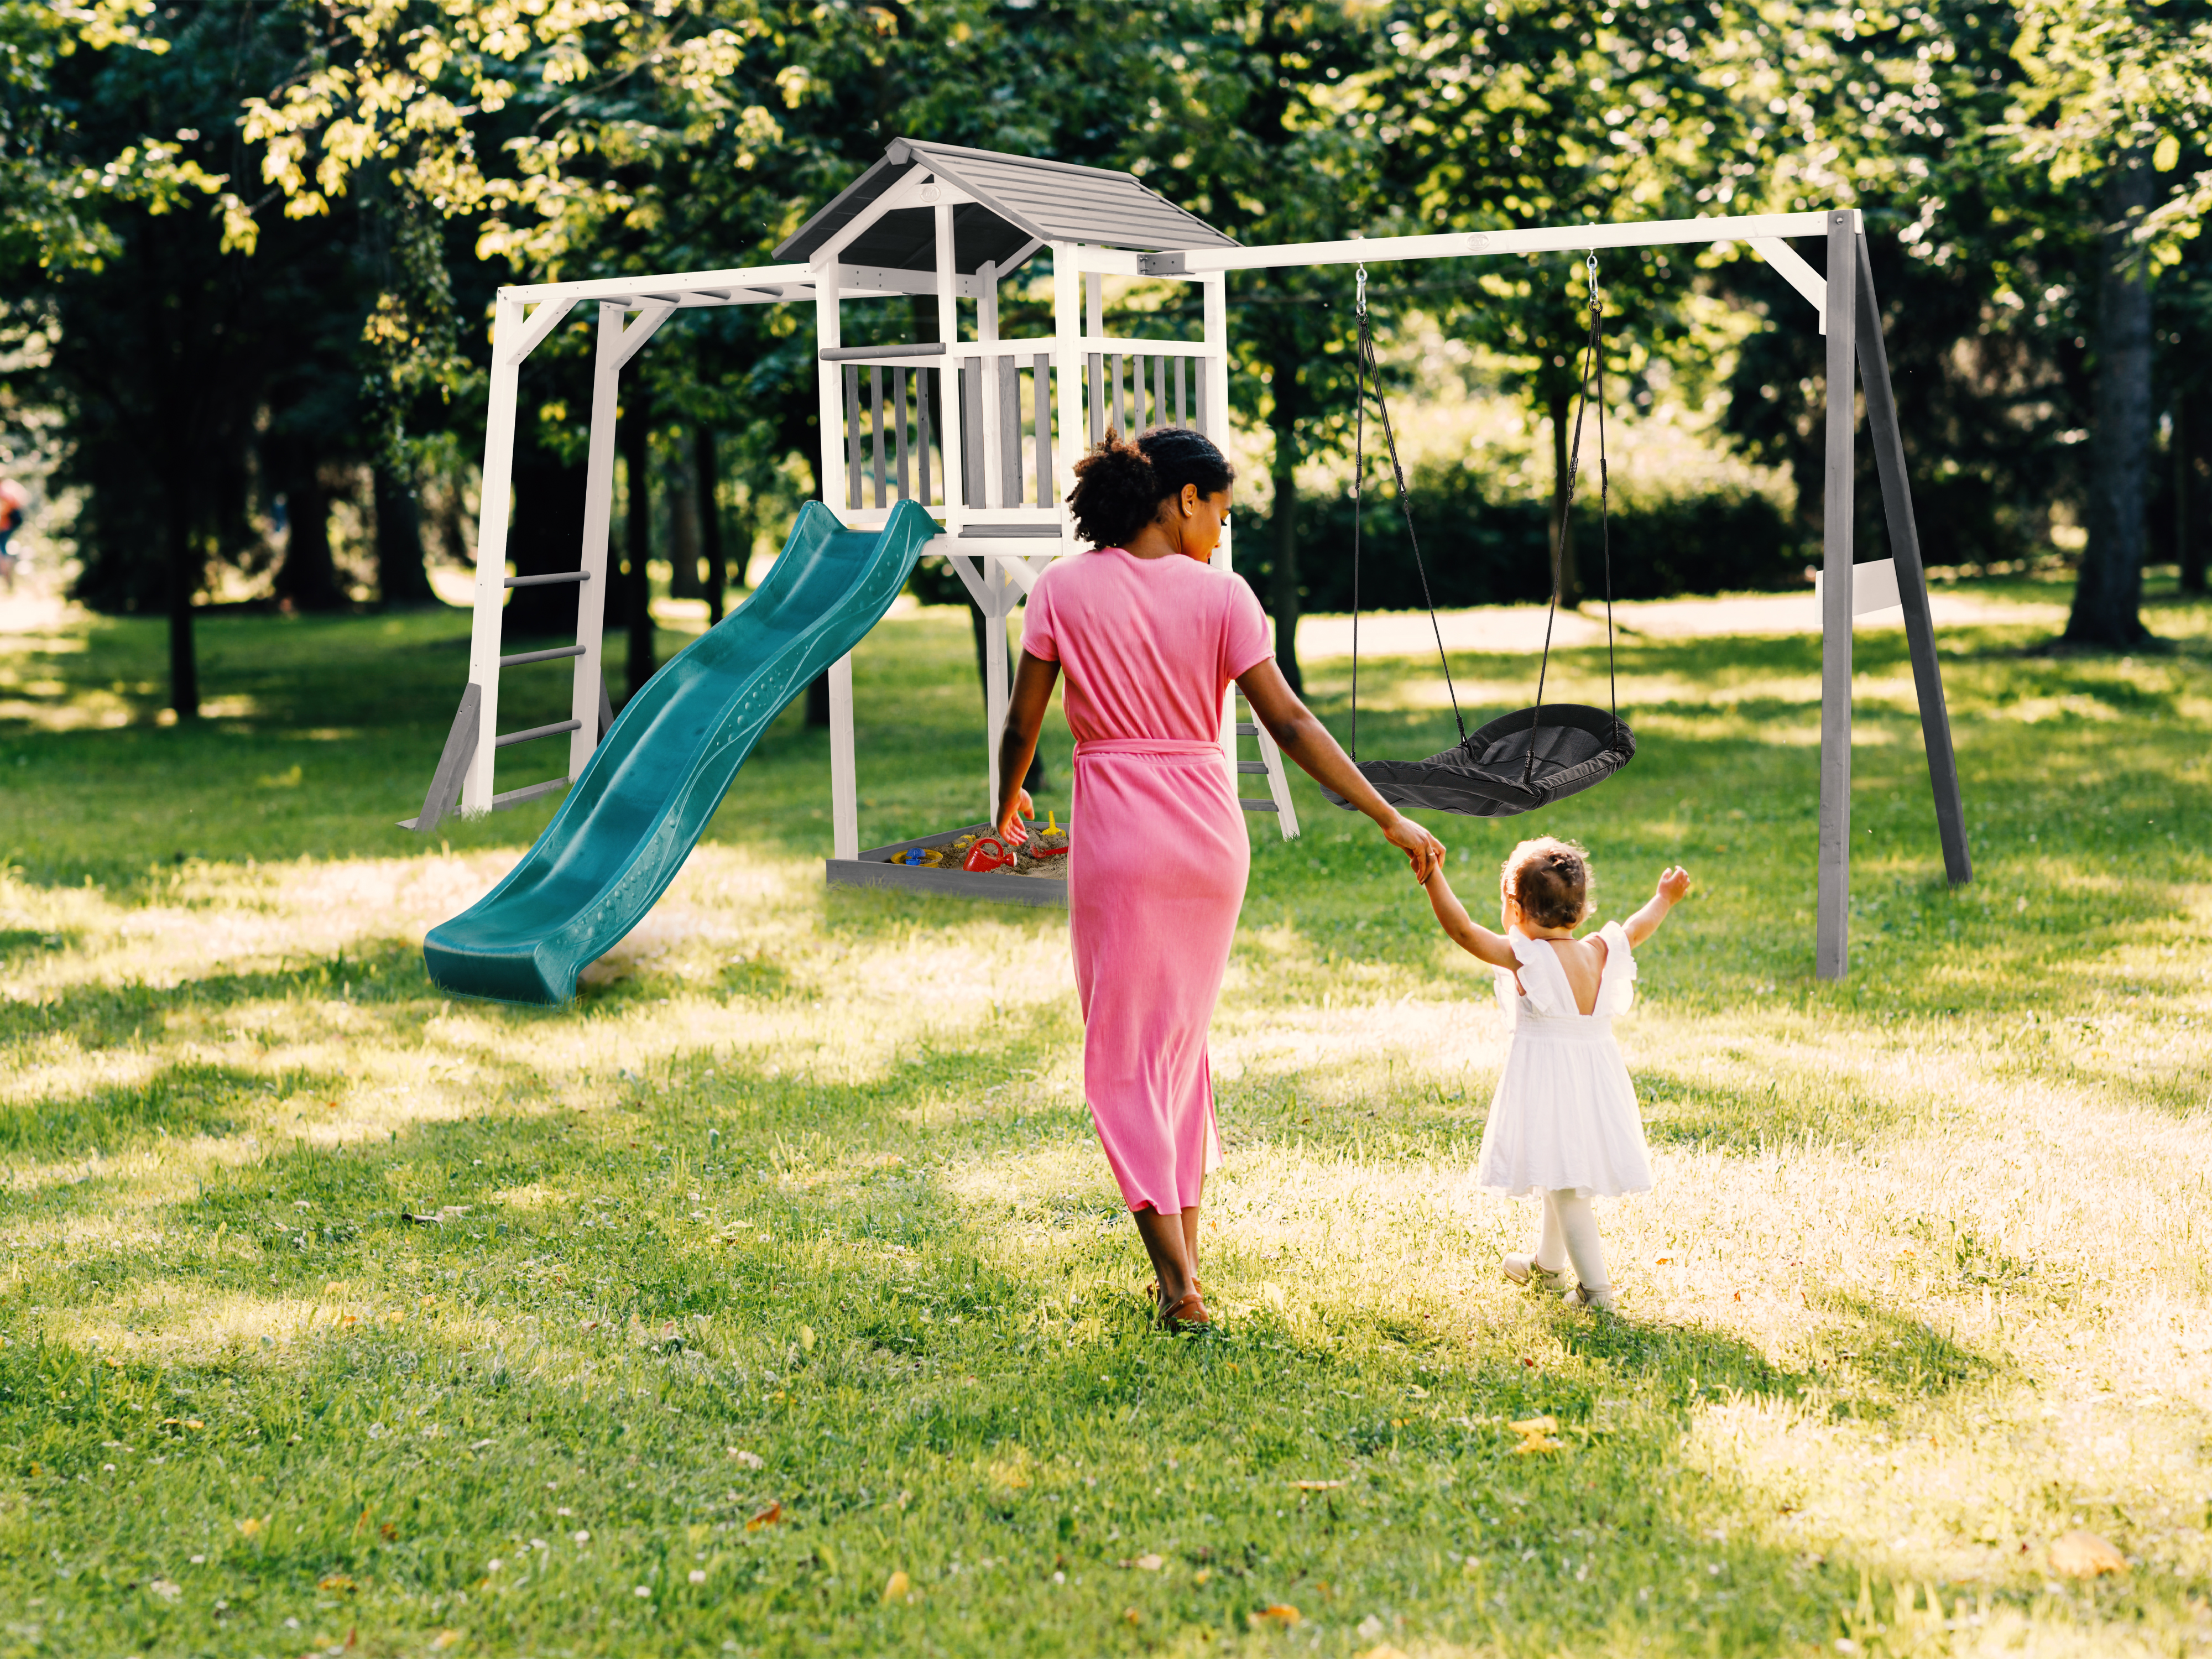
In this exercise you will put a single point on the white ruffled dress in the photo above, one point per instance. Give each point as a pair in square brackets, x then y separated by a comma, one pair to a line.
[1565, 1112]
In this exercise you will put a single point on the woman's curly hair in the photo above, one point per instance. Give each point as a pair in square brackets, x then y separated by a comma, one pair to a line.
[1551, 880]
[1119, 484]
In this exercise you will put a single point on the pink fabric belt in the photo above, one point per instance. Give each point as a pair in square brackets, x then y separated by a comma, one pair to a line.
[1163, 746]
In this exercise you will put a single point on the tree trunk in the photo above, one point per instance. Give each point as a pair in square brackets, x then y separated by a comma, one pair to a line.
[707, 474]
[185, 572]
[400, 577]
[1563, 524]
[2108, 595]
[307, 580]
[1283, 590]
[681, 490]
[637, 539]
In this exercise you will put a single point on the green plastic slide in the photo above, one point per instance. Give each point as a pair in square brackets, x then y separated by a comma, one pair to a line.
[628, 825]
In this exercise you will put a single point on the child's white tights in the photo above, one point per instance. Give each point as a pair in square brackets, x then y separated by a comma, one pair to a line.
[1571, 1235]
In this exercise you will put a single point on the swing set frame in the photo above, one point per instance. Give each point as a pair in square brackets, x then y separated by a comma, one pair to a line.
[1850, 319]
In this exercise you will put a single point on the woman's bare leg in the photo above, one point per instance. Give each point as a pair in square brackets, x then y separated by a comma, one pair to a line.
[1165, 1242]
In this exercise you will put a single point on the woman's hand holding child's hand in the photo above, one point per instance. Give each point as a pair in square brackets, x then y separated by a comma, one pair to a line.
[1422, 850]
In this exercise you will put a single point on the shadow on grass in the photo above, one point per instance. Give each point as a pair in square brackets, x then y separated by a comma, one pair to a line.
[1703, 1116]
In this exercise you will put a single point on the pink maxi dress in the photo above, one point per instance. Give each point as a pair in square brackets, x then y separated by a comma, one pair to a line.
[1159, 857]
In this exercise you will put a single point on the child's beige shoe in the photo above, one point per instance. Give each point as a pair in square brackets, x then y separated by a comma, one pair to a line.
[1522, 1269]
[1583, 1296]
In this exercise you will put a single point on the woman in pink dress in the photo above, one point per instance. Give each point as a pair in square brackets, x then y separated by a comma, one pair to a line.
[1150, 638]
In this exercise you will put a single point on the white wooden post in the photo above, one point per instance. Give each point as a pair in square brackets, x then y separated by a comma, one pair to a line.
[1214, 291]
[493, 509]
[1067, 370]
[599, 507]
[986, 333]
[948, 379]
[844, 780]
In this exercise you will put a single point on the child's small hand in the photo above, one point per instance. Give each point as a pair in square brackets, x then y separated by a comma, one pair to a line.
[1674, 883]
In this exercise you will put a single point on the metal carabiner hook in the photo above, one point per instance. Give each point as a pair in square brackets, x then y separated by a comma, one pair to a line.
[1359, 293]
[1592, 262]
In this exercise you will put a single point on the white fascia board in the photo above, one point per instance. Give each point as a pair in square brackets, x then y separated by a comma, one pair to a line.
[856, 282]
[715, 284]
[1119, 261]
[1551, 239]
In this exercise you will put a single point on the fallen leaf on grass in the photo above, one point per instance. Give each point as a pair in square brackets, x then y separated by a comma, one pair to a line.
[1315, 1485]
[767, 1517]
[751, 1459]
[167, 1589]
[897, 1586]
[1536, 1425]
[336, 1581]
[2085, 1555]
[1143, 1563]
[1281, 1614]
[252, 1525]
[444, 1639]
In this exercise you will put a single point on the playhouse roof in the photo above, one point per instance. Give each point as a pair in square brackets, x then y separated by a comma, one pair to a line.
[1019, 200]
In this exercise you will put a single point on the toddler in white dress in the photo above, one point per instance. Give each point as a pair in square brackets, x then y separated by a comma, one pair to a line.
[1564, 1123]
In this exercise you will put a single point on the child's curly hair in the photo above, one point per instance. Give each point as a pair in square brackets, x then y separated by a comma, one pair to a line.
[1119, 484]
[1551, 880]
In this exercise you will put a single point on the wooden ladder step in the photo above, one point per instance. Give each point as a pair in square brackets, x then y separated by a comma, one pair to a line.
[537, 731]
[557, 651]
[1252, 806]
[548, 581]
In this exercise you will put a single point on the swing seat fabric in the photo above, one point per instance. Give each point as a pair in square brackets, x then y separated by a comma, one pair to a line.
[1489, 773]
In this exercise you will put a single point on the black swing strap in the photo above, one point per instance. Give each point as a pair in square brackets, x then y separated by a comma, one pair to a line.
[1593, 366]
[1364, 367]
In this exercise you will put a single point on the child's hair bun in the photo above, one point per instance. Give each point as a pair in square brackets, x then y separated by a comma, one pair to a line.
[1551, 881]
[1119, 484]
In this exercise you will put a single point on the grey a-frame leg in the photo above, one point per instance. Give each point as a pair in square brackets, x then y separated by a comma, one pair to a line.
[1856, 358]
[445, 792]
[1911, 578]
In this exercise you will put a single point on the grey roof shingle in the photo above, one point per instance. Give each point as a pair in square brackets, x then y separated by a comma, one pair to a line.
[1018, 199]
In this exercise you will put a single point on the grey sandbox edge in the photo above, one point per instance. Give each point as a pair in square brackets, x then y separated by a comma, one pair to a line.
[874, 868]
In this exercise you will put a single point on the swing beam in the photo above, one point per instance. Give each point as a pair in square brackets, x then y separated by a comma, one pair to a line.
[1852, 321]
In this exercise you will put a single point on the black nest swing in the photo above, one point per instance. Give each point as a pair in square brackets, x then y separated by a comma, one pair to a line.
[1534, 756]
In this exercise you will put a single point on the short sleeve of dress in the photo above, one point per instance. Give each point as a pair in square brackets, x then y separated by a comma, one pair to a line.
[1616, 988]
[1244, 637]
[1037, 621]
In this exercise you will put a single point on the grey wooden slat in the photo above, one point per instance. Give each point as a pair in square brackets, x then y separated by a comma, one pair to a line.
[535, 732]
[559, 650]
[852, 436]
[910, 348]
[528, 792]
[1882, 432]
[1159, 391]
[1247, 729]
[1043, 530]
[1120, 420]
[1833, 911]
[1251, 805]
[1181, 418]
[1096, 382]
[548, 581]
[971, 432]
[876, 427]
[1041, 390]
[1259, 767]
[922, 395]
[1009, 375]
[899, 377]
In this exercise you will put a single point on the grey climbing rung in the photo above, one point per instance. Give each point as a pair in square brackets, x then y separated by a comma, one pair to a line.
[1246, 729]
[1251, 805]
[557, 727]
[531, 792]
[1252, 766]
[522, 657]
[548, 581]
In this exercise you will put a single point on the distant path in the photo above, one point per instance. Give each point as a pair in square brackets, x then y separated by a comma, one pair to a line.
[1521, 627]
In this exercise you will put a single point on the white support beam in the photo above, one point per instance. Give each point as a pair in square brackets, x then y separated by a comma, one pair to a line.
[989, 368]
[494, 508]
[829, 378]
[1549, 239]
[599, 514]
[651, 315]
[718, 282]
[1214, 291]
[1067, 285]
[1790, 266]
[844, 776]
[548, 316]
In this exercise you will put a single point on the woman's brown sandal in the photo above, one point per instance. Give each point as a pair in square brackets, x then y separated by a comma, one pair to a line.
[1188, 1314]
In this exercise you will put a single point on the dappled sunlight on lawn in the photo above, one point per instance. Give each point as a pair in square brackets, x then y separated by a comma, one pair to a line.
[785, 1259]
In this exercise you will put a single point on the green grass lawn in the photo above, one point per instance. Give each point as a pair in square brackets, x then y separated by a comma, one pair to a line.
[774, 1298]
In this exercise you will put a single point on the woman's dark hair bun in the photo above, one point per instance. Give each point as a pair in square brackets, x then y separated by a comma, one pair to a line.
[1119, 484]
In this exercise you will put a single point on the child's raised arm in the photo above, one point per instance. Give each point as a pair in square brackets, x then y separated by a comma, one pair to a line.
[1673, 883]
[1467, 933]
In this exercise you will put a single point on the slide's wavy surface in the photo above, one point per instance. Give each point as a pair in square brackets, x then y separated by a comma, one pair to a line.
[630, 822]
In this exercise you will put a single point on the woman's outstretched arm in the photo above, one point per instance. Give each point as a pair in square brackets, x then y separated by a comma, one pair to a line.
[1302, 735]
[1025, 710]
